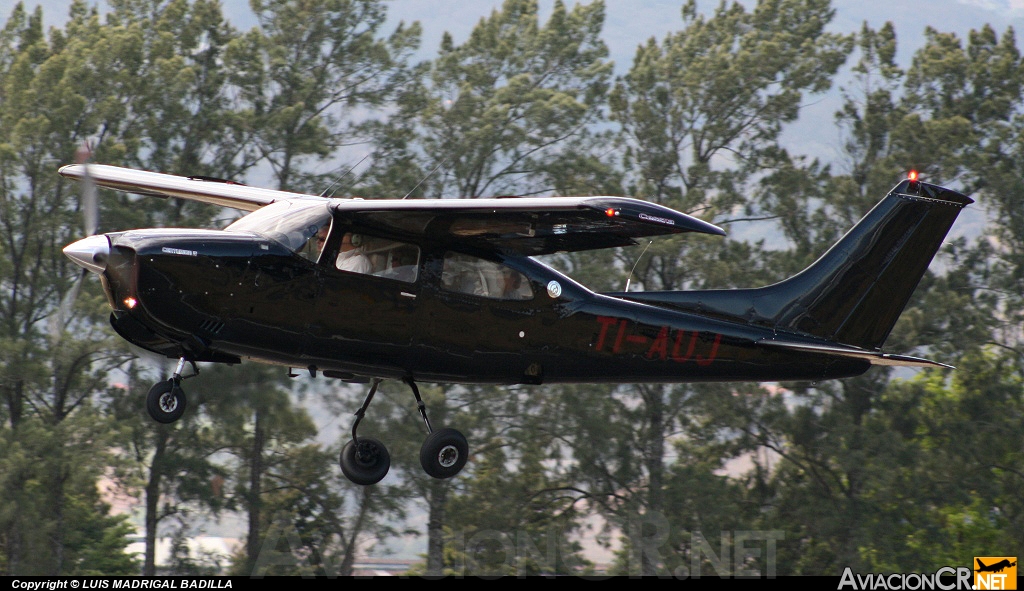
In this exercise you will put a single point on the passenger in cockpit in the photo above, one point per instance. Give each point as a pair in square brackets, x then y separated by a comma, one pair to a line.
[352, 257]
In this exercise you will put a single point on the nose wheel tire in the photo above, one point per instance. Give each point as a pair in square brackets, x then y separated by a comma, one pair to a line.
[444, 453]
[365, 462]
[165, 402]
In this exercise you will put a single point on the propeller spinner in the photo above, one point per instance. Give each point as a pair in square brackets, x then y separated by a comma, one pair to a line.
[90, 253]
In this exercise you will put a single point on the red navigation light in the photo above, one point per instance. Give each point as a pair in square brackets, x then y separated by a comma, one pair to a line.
[912, 175]
[611, 212]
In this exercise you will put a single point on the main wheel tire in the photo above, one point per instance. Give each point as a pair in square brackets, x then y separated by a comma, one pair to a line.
[165, 402]
[444, 453]
[366, 462]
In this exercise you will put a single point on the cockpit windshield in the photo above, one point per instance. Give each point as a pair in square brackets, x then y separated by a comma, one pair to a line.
[291, 222]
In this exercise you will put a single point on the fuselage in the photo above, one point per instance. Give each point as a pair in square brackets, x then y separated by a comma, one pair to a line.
[224, 296]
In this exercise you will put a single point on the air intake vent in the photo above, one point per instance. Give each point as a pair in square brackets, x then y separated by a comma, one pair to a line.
[211, 326]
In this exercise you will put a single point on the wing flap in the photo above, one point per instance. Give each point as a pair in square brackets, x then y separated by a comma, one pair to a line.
[874, 357]
[155, 184]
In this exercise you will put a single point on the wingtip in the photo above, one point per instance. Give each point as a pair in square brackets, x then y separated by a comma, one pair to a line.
[77, 171]
[709, 228]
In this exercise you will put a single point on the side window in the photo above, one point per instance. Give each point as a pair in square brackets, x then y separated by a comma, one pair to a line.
[380, 257]
[466, 274]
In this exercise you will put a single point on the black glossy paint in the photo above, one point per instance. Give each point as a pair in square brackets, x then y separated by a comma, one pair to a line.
[226, 296]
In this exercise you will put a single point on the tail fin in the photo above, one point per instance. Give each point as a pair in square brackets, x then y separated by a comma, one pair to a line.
[855, 292]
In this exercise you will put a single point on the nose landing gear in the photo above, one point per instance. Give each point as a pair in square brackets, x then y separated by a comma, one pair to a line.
[166, 400]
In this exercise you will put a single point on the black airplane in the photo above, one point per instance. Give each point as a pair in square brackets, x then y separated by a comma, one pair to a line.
[994, 567]
[446, 290]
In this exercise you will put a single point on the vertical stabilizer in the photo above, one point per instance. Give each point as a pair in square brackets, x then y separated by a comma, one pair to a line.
[855, 292]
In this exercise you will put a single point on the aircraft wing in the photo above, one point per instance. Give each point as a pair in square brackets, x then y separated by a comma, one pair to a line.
[874, 357]
[155, 184]
[524, 225]
[519, 225]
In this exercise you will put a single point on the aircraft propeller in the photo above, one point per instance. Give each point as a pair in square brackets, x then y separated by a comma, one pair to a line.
[89, 205]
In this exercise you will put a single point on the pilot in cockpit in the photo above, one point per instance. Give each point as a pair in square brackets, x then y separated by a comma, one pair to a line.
[315, 245]
[321, 239]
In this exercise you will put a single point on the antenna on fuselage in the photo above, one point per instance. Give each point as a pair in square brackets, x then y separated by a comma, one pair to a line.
[422, 180]
[347, 172]
[630, 276]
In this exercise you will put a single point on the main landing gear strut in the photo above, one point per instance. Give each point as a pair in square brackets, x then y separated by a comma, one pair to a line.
[365, 460]
[166, 400]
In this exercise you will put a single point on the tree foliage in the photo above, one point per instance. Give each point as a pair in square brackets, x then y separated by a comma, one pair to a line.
[495, 114]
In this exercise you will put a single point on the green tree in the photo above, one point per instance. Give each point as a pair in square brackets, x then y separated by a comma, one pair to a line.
[303, 75]
[170, 466]
[501, 525]
[953, 498]
[182, 112]
[170, 89]
[495, 115]
[54, 364]
[312, 520]
[701, 113]
[253, 418]
[499, 515]
[177, 105]
[855, 479]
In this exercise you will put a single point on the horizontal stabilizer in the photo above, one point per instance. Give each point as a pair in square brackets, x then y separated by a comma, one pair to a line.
[874, 357]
